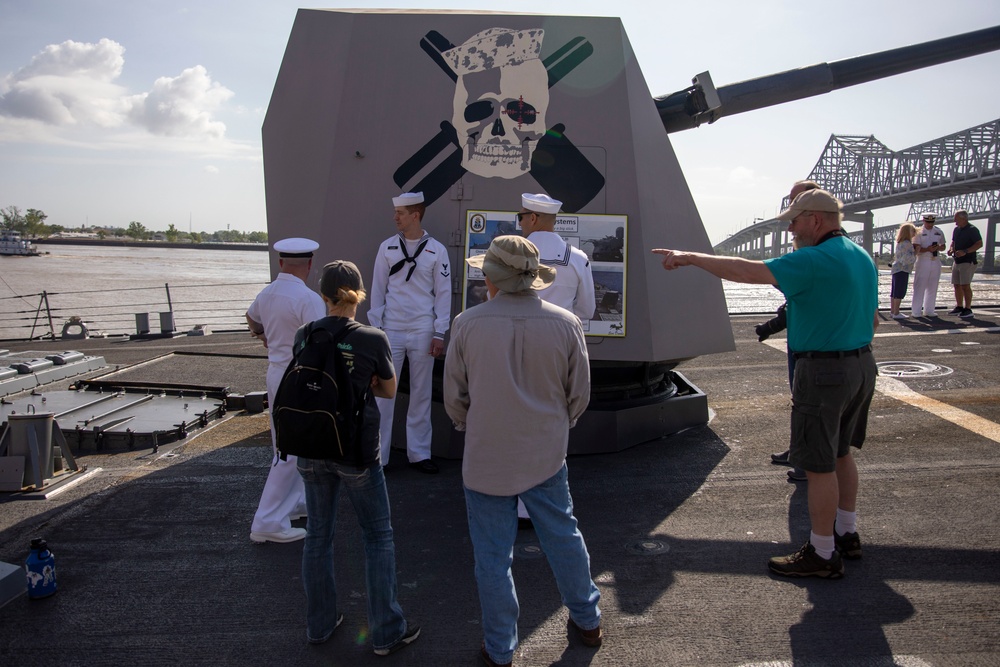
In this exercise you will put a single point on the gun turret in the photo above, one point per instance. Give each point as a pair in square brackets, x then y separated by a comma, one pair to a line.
[702, 103]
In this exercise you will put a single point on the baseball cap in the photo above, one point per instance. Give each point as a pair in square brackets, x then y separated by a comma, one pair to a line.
[811, 200]
[340, 274]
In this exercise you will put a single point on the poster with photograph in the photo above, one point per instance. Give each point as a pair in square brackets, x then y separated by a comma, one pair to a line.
[602, 237]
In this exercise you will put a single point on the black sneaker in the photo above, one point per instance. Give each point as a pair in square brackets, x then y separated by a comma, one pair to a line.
[411, 635]
[966, 313]
[797, 475]
[957, 310]
[848, 544]
[780, 458]
[806, 563]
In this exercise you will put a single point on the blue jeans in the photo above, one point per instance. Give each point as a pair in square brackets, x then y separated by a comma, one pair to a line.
[493, 528]
[366, 489]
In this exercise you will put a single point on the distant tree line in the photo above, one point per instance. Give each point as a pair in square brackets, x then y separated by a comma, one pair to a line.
[32, 224]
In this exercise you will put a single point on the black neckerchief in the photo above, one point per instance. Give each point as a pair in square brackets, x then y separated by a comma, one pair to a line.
[406, 258]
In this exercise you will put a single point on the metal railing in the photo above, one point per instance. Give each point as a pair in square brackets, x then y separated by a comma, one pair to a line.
[45, 315]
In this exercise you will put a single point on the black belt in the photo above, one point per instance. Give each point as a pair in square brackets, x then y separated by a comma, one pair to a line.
[833, 355]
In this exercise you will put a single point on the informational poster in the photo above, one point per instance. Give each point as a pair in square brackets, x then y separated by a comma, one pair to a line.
[602, 237]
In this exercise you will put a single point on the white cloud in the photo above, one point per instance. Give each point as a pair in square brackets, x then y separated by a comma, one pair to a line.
[211, 169]
[182, 106]
[71, 86]
[68, 84]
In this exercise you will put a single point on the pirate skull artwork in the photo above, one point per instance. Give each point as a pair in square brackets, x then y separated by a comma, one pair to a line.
[501, 96]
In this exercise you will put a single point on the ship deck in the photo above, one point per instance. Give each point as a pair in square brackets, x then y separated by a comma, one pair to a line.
[155, 566]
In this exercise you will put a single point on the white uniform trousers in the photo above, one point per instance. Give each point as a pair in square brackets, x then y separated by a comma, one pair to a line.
[926, 278]
[283, 490]
[415, 346]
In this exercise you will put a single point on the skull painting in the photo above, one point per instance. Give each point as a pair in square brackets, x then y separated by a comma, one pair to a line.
[501, 97]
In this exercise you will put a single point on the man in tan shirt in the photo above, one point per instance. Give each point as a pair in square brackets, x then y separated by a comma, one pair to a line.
[517, 378]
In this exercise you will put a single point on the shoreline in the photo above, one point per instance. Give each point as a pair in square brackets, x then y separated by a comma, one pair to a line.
[120, 243]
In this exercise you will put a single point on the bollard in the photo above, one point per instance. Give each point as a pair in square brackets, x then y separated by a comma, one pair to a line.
[167, 325]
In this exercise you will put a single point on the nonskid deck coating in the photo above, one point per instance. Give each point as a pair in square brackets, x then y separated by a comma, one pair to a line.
[172, 534]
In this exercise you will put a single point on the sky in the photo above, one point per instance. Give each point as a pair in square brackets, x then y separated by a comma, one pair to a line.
[149, 110]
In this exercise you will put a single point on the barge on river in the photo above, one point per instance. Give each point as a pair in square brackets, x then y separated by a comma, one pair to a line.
[12, 243]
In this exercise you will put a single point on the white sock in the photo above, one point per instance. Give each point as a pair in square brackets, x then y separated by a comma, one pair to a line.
[823, 544]
[847, 522]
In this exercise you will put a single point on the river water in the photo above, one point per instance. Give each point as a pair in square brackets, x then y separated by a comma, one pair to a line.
[107, 285]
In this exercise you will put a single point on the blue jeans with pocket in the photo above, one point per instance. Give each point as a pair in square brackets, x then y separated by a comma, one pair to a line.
[366, 489]
[493, 529]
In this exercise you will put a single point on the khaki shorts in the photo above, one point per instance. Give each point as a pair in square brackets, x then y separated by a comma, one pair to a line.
[961, 274]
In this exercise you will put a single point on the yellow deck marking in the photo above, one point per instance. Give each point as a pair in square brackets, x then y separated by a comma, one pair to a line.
[894, 388]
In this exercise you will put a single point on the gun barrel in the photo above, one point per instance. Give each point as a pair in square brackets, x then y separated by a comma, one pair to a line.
[680, 110]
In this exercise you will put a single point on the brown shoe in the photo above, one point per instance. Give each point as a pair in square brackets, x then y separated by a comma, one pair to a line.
[489, 661]
[591, 638]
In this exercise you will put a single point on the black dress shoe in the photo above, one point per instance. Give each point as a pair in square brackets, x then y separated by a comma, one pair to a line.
[426, 466]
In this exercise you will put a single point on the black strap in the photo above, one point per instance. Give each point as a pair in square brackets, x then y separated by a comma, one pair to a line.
[830, 235]
[406, 258]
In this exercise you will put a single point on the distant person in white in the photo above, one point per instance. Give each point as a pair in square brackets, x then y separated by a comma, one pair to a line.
[274, 317]
[927, 270]
[411, 303]
[573, 288]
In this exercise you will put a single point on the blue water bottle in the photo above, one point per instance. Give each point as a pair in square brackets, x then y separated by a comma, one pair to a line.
[41, 570]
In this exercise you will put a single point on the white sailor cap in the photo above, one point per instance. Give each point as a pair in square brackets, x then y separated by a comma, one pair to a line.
[540, 203]
[927, 215]
[296, 247]
[408, 199]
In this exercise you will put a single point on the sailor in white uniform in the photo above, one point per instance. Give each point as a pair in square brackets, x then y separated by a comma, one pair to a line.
[573, 288]
[274, 317]
[411, 301]
[928, 243]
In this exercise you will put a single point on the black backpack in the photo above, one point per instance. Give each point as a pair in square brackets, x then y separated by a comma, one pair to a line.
[317, 413]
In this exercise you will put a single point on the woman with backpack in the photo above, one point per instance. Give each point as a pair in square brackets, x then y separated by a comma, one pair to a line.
[348, 461]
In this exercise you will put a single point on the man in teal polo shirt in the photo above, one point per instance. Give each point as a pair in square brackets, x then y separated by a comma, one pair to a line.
[831, 286]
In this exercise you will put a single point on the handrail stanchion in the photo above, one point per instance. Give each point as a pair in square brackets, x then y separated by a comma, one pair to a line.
[48, 312]
[34, 323]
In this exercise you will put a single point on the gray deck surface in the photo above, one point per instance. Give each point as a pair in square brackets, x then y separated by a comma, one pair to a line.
[155, 565]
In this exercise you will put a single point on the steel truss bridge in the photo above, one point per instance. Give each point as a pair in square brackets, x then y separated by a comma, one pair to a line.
[959, 171]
